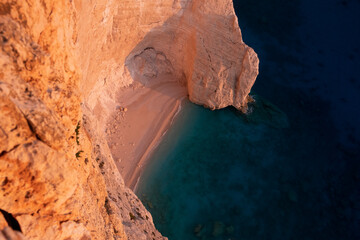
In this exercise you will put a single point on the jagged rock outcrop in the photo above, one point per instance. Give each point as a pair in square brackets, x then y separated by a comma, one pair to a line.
[200, 39]
[203, 43]
[61, 65]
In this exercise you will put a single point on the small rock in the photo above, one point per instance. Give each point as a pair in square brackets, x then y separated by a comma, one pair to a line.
[218, 229]
[198, 230]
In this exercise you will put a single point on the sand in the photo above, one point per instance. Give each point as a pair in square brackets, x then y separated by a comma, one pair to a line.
[142, 117]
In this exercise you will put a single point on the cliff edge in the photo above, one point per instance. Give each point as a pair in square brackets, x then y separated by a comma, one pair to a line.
[63, 65]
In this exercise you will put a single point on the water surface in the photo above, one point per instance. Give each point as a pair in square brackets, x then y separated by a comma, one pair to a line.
[290, 168]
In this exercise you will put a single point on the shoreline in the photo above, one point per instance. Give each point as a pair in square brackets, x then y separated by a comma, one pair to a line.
[132, 135]
[154, 144]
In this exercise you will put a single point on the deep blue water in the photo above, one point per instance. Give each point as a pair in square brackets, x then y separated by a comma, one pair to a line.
[290, 168]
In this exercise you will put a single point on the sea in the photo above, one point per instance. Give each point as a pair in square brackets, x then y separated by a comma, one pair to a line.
[290, 167]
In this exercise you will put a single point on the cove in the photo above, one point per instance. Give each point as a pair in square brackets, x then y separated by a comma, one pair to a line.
[289, 169]
[224, 175]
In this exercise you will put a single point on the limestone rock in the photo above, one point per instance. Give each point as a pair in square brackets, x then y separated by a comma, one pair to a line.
[13, 126]
[61, 64]
[203, 45]
[52, 193]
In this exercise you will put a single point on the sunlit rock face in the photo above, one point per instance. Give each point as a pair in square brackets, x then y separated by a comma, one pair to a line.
[203, 43]
[56, 179]
[62, 63]
[200, 39]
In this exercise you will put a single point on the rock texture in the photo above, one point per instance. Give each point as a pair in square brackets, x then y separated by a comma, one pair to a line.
[9, 234]
[55, 180]
[61, 65]
[203, 44]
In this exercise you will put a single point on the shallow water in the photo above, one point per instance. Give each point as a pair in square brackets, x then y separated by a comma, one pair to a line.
[289, 169]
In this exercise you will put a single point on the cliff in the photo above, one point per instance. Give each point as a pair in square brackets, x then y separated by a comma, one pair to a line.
[63, 66]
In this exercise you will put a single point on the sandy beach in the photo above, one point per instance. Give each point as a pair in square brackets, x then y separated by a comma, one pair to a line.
[142, 117]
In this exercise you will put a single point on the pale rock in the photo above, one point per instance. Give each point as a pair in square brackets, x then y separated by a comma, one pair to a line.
[9, 234]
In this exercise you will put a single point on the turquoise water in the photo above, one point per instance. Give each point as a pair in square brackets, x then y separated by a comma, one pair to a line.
[224, 175]
[290, 169]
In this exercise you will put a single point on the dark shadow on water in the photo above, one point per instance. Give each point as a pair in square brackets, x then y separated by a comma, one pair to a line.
[281, 172]
[275, 17]
[231, 176]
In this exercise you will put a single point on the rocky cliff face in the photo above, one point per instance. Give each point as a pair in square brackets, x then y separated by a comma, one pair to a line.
[62, 63]
[203, 43]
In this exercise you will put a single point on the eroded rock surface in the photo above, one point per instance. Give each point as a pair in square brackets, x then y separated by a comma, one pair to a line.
[57, 182]
[61, 66]
[203, 44]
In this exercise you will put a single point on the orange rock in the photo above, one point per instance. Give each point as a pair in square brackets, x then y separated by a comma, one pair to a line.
[62, 63]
